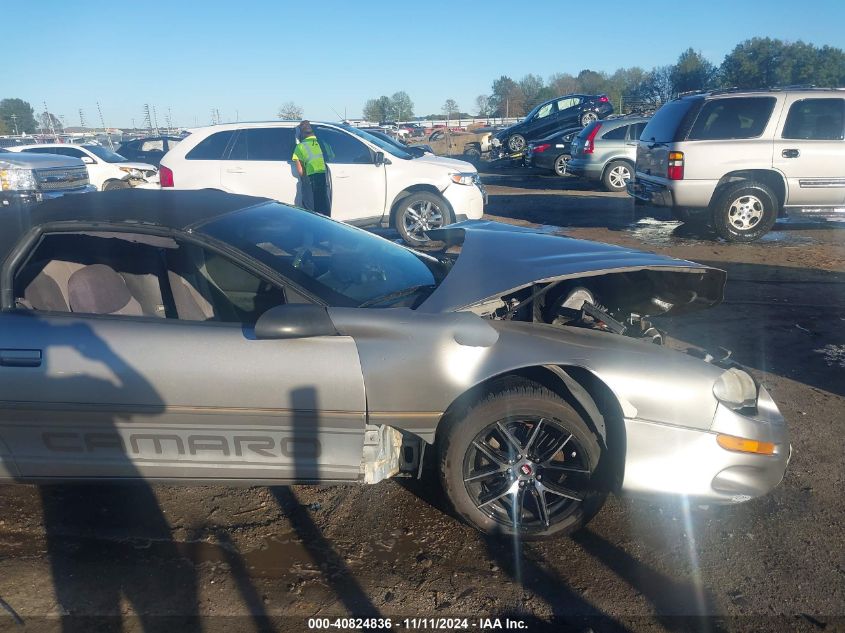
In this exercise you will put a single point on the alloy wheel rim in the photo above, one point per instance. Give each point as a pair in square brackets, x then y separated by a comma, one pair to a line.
[619, 176]
[745, 213]
[528, 473]
[589, 118]
[560, 164]
[516, 143]
[420, 217]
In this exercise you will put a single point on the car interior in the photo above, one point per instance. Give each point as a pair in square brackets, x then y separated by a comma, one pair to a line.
[140, 275]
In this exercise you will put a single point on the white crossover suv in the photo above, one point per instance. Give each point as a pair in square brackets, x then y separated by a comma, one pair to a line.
[371, 182]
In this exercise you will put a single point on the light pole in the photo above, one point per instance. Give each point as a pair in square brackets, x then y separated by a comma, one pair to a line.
[15, 123]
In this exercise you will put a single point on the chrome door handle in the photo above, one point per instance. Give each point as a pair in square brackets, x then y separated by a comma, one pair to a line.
[790, 153]
[20, 357]
[235, 170]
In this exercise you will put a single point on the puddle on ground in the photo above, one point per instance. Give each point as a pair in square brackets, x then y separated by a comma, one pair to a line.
[833, 355]
[272, 557]
[664, 232]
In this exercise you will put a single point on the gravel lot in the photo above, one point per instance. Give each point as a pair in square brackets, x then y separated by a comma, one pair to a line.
[249, 559]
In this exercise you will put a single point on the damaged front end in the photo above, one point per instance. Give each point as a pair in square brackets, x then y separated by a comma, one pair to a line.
[504, 272]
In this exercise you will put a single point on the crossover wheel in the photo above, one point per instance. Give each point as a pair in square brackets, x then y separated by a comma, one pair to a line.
[421, 212]
[516, 143]
[522, 462]
[744, 211]
[560, 164]
[616, 176]
[588, 117]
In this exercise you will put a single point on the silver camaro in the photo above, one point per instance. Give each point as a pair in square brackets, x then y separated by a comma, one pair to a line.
[205, 337]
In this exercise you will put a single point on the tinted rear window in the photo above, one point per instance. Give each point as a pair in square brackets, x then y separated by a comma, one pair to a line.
[739, 117]
[666, 124]
[212, 147]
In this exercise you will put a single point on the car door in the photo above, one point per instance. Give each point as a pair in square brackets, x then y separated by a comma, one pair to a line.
[357, 184]
[86, 395]
[259, 164]
[569, 112]
[809, 148]
[543, 122]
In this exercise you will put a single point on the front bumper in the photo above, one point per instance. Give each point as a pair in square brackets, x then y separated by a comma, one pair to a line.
[677, 461]
[34, 197]
[468, 200]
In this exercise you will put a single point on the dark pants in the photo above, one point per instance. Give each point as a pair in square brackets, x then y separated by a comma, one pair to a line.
[320, 193]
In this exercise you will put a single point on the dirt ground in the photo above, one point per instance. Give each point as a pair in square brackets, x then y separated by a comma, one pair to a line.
[265, 559]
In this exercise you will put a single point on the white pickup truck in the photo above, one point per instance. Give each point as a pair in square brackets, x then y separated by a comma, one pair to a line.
[31, 178]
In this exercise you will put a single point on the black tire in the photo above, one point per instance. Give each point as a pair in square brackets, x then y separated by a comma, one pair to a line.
[114, 185]
[559, 167]
[614, 177]
[744, 211]
[515, 143]
[472, 153]
[522, 407]
[432, 210]
[588, 117]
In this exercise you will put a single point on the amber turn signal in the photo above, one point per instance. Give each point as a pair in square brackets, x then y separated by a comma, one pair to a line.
[743, 445]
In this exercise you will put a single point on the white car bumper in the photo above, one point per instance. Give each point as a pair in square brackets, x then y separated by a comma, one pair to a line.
[467, 201]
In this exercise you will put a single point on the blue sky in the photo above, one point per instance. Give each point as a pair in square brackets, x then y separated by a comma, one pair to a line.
[246, 58]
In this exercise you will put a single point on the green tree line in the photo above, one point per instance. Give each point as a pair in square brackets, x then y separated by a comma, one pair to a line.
[755, 63]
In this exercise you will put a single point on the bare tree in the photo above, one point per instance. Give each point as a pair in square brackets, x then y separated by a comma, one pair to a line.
[290, 111]
[449, 108]
[482, 105]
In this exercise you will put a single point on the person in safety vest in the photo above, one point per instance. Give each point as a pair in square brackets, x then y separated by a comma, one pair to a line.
[309, 161]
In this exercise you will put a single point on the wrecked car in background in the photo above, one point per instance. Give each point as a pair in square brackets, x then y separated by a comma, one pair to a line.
[202, 336]
[468, 145]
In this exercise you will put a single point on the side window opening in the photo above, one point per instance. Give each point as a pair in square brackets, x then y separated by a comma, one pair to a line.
[617, 134]
[140, 275]
[211, 147]
[264, 144]
[545, 111]
[816, 120]
[733, 118]
[342, 148]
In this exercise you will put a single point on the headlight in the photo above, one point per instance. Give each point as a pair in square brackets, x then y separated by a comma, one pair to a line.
[17, 180]
[465, 178]
[134, 173]
[736, 389]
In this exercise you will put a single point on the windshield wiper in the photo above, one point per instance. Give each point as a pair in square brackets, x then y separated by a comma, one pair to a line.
[405, 292]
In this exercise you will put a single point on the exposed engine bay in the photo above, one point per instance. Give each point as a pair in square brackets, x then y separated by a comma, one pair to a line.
[620, 303]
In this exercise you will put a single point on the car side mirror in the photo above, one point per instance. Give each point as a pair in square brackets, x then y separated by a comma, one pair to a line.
[294, 320]
[88, 160]
[378, 159]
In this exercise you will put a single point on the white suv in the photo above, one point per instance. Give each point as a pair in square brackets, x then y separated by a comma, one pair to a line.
[371, 182]
[106, 170]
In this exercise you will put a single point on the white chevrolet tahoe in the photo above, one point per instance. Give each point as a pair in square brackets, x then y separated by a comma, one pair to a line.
[740, 159]
[371, 181]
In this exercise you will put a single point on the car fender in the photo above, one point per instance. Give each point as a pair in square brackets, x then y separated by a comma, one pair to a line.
[417, 365]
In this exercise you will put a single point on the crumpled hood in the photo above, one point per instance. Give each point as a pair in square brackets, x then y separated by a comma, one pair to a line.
[497, 259]
[138, 166]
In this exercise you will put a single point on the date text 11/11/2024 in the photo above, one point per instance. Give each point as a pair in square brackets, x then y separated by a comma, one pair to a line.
[421, 624]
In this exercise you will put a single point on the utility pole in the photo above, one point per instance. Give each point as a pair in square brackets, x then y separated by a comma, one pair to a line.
[15, 123]
[103, 123]
[49, 118]
[82, 118]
